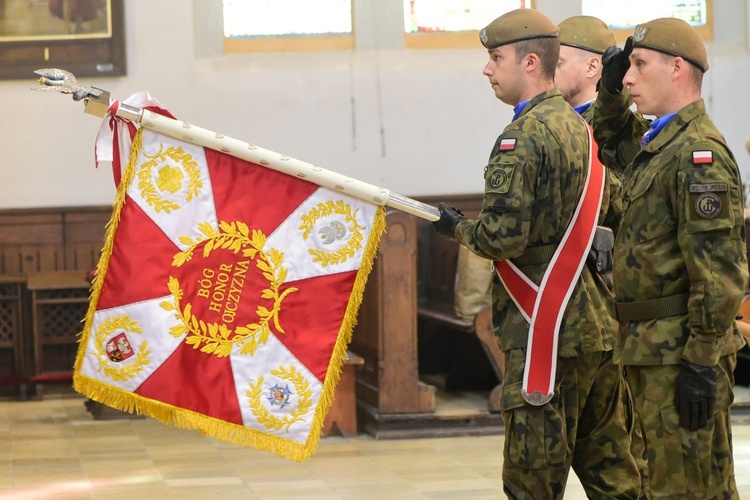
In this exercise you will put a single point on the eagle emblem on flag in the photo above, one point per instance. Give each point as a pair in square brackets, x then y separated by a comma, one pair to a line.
[225, 296]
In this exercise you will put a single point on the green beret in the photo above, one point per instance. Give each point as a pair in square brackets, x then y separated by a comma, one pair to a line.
[515, 26]
[672, 36]
[587, 33]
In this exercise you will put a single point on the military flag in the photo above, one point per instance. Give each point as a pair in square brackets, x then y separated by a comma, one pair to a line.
[226, 293]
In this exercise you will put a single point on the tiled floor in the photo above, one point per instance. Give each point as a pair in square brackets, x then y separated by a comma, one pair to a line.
[54, 449]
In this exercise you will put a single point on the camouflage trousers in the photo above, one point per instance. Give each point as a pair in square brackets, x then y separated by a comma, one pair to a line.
[684, 464]
[586, 425]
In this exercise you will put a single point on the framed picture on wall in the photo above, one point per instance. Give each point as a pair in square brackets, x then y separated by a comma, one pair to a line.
[85, 37]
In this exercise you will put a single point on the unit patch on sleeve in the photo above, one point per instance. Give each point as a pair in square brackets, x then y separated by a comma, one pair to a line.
[708, 205]
[703, 157]
[499, 177]
[710, 200]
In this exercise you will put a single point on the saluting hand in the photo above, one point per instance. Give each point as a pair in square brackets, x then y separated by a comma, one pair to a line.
[615, 63]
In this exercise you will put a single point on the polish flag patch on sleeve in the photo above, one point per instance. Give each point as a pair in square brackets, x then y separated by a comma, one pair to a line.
[703, 157]
[507, 145]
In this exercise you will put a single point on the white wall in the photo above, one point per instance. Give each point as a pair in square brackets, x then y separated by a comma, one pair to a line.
[415, 122]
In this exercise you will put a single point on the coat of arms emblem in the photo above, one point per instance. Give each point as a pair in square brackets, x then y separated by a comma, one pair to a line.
[118, 348]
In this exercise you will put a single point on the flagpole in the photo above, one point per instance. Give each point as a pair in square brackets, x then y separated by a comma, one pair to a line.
[98, 103]
[275, 161]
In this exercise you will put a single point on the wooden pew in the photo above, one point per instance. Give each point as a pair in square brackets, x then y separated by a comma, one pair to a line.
[437, 262]
[40, 248]
[342, 416]
[11, 338]
[392, 400]
[390, 396]
[59, 301]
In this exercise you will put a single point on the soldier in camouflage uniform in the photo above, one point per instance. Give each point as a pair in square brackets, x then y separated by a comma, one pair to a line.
[680, 266]
[583, 40]
[533, 183]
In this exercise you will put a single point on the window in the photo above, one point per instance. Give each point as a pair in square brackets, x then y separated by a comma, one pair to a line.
[286, 25]
[454, 15]
[622, 18]
[452, 23]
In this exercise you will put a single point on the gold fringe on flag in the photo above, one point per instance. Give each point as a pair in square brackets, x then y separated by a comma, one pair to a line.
[210, 426]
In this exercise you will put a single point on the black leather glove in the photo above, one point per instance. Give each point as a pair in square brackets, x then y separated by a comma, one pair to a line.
[695, 397]
[449, 218]
[615, 63]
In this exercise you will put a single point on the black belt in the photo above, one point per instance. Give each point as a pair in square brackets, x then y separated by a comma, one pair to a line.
[663, 307]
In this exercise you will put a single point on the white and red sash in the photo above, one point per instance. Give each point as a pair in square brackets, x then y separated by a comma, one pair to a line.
[543, 306]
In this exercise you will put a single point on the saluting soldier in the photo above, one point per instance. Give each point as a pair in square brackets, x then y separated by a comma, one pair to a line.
[535, 179]
[583, 41]
[680, 267]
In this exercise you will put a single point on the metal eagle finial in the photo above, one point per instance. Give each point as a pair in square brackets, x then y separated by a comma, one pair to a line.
[59, 80]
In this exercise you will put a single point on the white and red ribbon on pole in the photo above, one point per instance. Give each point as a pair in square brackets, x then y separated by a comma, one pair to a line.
[116, 133]
[543, 306]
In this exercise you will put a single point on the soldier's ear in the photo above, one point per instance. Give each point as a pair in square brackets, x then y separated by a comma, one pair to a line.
[679, 66]
[531, 62]
[594, 67]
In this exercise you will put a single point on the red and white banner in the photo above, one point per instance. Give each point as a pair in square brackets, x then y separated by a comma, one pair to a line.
[226, 296]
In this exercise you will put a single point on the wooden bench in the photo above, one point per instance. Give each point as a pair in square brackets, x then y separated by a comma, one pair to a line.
[437, 262]
[59, 301]
[392, 402]
[342, 416]
[40, 316]
[482, 328]
[11, 333]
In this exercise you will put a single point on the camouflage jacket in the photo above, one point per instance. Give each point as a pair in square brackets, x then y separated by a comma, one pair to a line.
[619, 141]
[611, 197]
[533, 183]
[682, 232]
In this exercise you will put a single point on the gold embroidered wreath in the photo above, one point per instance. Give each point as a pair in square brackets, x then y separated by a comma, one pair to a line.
[107, 328]
[303, 406]
[146, 183]
[215, 338]
[324, 209]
